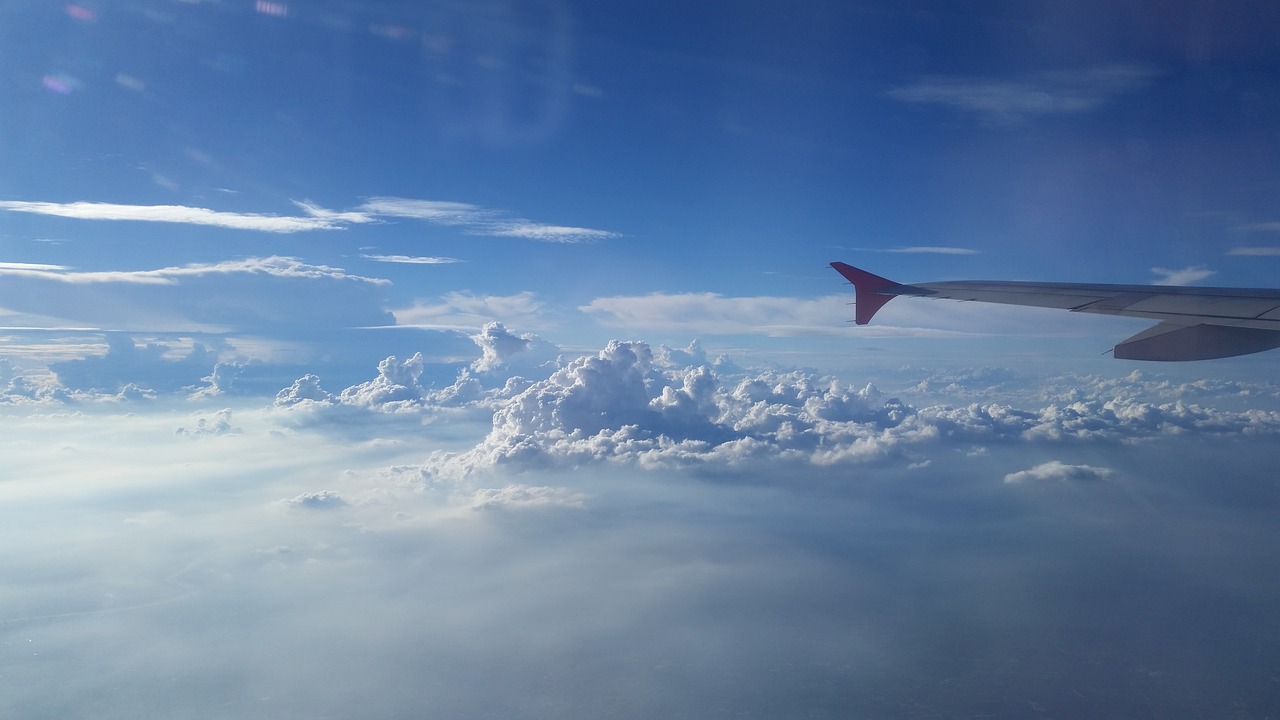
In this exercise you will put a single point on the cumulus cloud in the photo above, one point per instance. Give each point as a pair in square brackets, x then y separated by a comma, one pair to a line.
[217, 424]
[500, 349]
[1058, 471]
[621, 405]
[304, 390]
[395, 389]
[1005, 101]
[322, 500]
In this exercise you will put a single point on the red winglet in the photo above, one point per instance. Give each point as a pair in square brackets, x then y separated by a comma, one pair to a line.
[868, 295]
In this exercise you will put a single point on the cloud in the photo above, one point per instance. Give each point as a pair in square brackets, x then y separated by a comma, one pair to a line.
[712, 313]
[153, 366]
[935, 250]
[525, 496]
[501, 349]
[1058, 471]
[480, 221]
[620, 406]
[465, 310]
[275, 266]
[1185, 276]
[218, 424]
[322, 500]
[1005, 101]
[1255, 251]
[283, 294]
[715, 314]
[180, 214]
[192, 574]
[473, 219]
[31, 266]
[1260, 227]
[305, 390]
[411, 260]
[395, 389]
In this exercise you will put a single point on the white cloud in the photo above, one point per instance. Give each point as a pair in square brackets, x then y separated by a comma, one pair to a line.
[546, 233]
[1260, 227]
[1185, 276]
[305, 390]
[525, 496]
[411, 260]
[30, 266]
[395, 389]
[621, 406]
[1256, 250]
[480, 221]
[217, 424]
[281, 293]
[1004, 101]
[179, 214]
[500, 349]
[934, 250]
[215, 562]
[474, 219]
[465, 310]
[1058, 471]
[274, 266]
[712, 313]
[322, 500]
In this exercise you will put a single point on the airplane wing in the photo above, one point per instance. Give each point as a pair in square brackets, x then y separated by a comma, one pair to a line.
[1194, 323]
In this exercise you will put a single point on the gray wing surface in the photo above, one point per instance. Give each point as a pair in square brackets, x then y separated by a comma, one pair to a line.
[1194, 323]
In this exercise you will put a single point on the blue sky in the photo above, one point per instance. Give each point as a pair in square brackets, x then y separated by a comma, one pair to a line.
[365, 357]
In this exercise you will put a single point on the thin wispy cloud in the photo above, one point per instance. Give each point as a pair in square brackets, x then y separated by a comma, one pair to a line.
[1255, 251]
[275, 266]
[411, 260]
[481, 221]
[1007, 101]
[473, 219]
[29, 266]
[1185, 276]
[933, 250]
[1260, 227]
[466, 310]
[181, 214]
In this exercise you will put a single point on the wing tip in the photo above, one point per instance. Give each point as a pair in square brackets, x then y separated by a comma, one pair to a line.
[867, 288]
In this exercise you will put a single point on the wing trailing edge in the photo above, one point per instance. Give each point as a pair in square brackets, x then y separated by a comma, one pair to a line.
[1169, 342]
[1195, 323]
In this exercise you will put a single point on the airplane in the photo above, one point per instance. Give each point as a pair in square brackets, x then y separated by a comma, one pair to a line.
[1195, 323]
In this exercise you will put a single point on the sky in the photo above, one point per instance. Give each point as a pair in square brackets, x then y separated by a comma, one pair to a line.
[483, 359]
